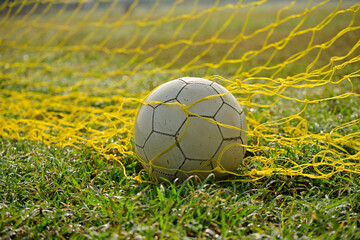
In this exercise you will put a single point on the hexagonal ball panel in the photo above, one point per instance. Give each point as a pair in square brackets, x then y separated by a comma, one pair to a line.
[168, 118]
[143, 125]
[200, 140]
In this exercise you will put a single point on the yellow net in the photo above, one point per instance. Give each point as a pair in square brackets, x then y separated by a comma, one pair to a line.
[74, 72]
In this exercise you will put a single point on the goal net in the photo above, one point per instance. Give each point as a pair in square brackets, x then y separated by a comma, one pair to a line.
[74, 72]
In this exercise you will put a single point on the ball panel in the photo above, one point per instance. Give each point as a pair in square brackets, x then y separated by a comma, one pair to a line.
[200, 140]
[229, 116]
[192, 93]
[220, 89]
[195, 167]
[196, 80]
[159, 174]
[232, 156]
[228, 98]
[169, 162]
[168, 118]
[244, 127]
[141, 153]
[207, 107]
[166, 91]
[143, 125]
[156, 144]
[232, 102]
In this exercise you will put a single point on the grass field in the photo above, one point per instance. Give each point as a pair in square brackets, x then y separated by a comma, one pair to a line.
[63, 78]
[67, 193]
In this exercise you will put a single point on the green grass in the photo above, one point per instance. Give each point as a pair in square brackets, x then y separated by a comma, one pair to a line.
[77, 193]
[49, 192]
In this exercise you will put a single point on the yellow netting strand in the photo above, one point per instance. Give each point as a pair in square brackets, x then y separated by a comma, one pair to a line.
[74, 73]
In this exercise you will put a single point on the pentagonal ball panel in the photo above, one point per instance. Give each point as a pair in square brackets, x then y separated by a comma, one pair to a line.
[143, 125]
[200, 139]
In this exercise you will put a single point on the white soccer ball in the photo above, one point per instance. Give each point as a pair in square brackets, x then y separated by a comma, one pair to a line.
[190, 126]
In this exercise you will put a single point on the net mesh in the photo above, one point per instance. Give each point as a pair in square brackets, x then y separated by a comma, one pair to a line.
[74, 73]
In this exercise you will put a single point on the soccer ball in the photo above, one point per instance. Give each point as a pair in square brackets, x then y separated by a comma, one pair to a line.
[190, 126]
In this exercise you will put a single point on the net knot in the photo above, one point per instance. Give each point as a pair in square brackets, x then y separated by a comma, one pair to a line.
[238, 82]
[253, 172]
[328, 137]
